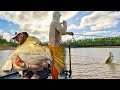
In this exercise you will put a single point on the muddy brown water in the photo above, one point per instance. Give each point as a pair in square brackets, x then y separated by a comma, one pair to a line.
[87, 63]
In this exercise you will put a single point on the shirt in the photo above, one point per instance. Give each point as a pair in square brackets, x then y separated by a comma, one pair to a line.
[56, 31]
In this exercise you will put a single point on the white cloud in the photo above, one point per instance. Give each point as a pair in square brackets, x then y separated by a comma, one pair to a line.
[67, 14]
[100, 20]
[115, 34]
[99, 33]
[79, 37]
[90, 33]
[6, 36]
[12, 31]
[72, 26]
[34, 21]
[67, 37]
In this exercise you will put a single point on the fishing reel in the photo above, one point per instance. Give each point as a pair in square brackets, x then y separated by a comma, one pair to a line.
[67, 73]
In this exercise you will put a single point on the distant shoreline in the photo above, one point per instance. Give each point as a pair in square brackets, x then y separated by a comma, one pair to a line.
[13, 48]
[103, 47]
[7, 48]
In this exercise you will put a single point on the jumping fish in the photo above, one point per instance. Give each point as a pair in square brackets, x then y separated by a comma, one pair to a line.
[110, 58]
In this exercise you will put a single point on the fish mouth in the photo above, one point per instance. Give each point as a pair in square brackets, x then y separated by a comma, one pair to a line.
[8, 68]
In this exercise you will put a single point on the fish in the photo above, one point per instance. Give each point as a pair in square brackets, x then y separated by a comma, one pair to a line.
[31, 53]
[110, 58]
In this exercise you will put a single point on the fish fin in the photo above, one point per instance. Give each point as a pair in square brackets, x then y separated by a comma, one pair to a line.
[21, 73]
[19, 61]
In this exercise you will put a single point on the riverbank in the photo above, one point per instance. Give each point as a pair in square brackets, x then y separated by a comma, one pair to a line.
[7, 48]
[13, 48]
[104, 47]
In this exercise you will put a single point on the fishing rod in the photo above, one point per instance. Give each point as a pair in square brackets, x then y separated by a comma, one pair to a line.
[72, 34]
[91, 35]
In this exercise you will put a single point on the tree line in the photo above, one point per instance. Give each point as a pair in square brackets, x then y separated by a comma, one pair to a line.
[109, 41]
[5, 43]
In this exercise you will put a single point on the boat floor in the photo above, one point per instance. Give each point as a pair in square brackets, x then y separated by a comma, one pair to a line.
[17, 76]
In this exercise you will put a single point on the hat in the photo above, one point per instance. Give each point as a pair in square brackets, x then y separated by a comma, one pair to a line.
[16, 34]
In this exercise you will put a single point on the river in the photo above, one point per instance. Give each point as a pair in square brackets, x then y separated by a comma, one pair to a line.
[87, 63]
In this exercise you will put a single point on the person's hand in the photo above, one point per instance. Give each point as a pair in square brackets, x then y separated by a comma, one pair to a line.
[64, 22]
[70, 33]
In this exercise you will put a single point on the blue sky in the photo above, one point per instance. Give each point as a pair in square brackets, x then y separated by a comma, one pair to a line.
[85, 23]
[9, 27]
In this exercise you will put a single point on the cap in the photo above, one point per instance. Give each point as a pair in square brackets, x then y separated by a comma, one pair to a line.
[16, 34]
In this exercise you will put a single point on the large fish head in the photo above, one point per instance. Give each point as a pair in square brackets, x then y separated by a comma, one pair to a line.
[7, 66]
[10, 66]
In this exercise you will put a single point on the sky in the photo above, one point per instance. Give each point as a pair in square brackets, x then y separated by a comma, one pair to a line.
[84, 24]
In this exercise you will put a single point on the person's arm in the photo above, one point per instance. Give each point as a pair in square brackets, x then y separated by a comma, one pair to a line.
[60, 28]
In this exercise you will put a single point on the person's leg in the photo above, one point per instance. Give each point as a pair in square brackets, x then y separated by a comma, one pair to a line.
[28, 75]
[54, 72]
[35, 77]
[40, 74]
[58, 60]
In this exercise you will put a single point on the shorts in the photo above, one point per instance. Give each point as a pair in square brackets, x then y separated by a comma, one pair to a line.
[58, 55]
[38, 74]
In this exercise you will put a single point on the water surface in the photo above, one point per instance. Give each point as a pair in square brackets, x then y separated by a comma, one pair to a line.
[87, 63]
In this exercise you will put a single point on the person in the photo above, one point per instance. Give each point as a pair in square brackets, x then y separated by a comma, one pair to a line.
[21, 38]
[55, 38]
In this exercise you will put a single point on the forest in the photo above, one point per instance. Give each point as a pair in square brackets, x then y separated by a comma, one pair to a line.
[109, 41]
[5, 43]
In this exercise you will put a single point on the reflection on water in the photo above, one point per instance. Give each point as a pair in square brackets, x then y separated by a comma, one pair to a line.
[88, 63]
[3, 57]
